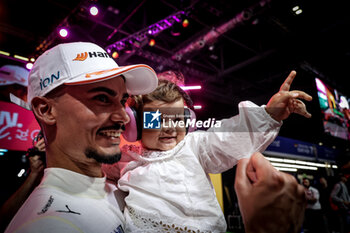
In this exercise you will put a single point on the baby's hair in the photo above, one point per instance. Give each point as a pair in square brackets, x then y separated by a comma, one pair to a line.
[172, 75]
[166, 91]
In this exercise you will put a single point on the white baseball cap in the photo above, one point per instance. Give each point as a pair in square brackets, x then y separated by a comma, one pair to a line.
[11, 74]
[80, 63]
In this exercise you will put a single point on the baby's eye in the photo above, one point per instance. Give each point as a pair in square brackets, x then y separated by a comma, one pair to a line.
[178, 119]
[101, 98]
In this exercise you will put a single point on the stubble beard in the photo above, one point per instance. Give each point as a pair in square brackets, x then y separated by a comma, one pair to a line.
[100, 158]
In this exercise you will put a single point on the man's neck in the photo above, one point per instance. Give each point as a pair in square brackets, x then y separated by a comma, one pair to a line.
[86, 166]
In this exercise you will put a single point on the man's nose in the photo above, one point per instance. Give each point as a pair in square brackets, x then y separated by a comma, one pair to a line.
[120, 115]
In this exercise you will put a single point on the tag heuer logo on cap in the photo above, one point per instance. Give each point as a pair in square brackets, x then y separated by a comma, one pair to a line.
[83, 56]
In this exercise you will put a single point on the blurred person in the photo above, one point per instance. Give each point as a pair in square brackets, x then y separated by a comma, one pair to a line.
[13, 79]
[36, 171]
[313, 221]
[325, 193]
[340, 200]
[167, 179]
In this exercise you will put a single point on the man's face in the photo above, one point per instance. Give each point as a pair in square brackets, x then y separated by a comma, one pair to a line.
[168, 137]
[89, 119]
[344, 179]
[306, 183]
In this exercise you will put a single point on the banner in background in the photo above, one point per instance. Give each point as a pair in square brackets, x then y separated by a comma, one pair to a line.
[18, 127]
[297, 148]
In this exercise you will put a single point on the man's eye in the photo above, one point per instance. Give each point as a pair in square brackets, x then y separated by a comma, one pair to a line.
[123, 102]
[101, 98]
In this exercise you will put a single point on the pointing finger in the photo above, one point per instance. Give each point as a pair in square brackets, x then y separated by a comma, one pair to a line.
[288, 82]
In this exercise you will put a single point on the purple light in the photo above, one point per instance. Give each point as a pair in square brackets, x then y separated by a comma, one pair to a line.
[93, 10]
[63, 32]
[177, 19]
[320, 86]
[186, 88]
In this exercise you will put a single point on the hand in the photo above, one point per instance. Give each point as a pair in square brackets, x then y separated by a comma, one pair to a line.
[269, 200]
[36, 165]
[40, 145]
[286, 102]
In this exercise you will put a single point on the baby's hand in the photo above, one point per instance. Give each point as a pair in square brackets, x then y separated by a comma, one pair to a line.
[286, 102]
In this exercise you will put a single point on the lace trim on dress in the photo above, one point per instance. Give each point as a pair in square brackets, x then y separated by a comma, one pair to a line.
[149, 224]
[142, 154]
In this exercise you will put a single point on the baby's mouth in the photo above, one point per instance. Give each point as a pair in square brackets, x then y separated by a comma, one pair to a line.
[167, 139]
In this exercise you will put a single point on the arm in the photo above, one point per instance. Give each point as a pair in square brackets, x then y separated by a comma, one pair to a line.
[238, 137]
[269, 200]
[253, 129]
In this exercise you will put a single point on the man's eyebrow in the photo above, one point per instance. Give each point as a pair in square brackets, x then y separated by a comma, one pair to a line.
[103, 89]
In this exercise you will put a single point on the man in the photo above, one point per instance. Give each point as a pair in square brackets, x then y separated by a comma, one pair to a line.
[77, 93]
[341, 201]
[313, 215]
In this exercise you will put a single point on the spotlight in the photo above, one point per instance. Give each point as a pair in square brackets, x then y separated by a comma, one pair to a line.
[297, 10]
[115, 54]
[29, 65]
[63, 32]
[152, 42]
[185, 23]
[93, 10]
[21, 172]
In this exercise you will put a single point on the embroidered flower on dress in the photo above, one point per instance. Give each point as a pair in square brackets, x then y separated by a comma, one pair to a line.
[149, 225]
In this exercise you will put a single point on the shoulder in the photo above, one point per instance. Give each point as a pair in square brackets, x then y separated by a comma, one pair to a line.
[52, 224]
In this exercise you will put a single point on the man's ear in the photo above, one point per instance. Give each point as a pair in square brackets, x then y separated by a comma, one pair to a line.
[42, 109]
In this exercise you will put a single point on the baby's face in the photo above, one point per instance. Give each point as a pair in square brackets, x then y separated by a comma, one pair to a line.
[171, 133]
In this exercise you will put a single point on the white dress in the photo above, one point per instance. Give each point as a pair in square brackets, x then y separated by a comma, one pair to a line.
[170, 191]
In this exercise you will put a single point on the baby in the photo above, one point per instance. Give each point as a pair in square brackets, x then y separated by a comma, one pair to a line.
[166, 178]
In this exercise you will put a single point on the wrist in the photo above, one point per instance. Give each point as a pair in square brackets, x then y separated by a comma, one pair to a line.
[271, 114]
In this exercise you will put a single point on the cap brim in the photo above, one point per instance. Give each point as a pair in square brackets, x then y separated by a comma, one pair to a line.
[14, 99]
[140, 79]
